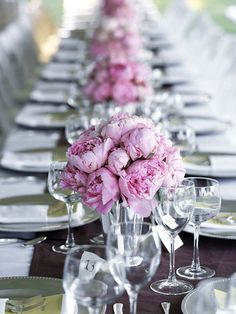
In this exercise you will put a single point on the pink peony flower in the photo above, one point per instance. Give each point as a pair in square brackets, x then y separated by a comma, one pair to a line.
[120, 71]
[90, 133]
[176, 171]
[117, 160]
[90, 88]
[121, 123]
[124, 92]
[139, 183]
[102, 92]
[102, 190]
[74, 179]
[140, 143]
[89, 155]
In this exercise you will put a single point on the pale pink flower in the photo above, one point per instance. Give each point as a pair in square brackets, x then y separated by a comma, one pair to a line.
[117, 160]
[90, 88]
[124, 92]
[102, 190]
[140, 142]
[72, 178]
[120, 71]
[139, 183]
[176, 171]
[89, 155]
[102, 92]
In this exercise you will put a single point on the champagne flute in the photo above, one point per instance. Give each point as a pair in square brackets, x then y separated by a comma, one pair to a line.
[65, 195]
[208, 203]
[173, 212]
[134, 252]
[88, 280]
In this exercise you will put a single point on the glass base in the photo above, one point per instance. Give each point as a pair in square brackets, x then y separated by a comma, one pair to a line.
[188, 273]
[98, 239]
[175, 287]
[63, 249]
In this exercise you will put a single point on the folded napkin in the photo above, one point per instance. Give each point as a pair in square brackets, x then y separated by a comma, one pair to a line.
[34, 214]
[2, 305]
[50, 96]
[17, 186]
[227, 189]
[206, 125]
[223, 163]
[221, 143]
[27, 160]
[15, 260]
[19, 140]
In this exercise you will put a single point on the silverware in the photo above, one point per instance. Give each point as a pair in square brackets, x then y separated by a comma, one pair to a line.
[118, 308]
[5, 241]
[166, 307]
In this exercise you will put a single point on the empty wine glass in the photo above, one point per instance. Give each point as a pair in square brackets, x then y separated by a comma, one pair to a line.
[65, 195]
[208, 202]
[88, 280]
[183, 136]
[173, 212]
[134, 252]
[75, 125]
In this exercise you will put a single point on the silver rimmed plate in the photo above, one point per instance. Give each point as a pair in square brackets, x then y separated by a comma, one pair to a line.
[27, 287]
[40, 212]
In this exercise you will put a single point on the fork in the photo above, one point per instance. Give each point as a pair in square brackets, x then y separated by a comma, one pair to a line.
[166, 307]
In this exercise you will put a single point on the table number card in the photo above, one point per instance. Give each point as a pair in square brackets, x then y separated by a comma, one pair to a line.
[165, 239]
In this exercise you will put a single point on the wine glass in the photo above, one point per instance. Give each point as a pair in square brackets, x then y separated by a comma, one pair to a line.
[208, 203]
[87, 278]
[65, 195]
[134, 252]
[183, 136]
[75, 125]
[173, 212]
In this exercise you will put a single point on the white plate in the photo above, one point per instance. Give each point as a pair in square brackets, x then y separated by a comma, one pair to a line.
[23, 287]
[189, 302]
[203, 126]
[84, 216]
[46, 116]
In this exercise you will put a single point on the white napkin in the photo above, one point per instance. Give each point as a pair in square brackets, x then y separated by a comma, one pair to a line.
[33, 214]
[21, 186]
[206, 125]
[15, 260]
[2, 305]
[49, 96]
[20, 140]
[227, 189]
[216, 143]
[223, 163]
[27, 160]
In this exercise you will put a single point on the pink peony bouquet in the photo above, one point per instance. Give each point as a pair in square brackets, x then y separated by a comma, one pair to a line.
[121, 9]
[122, 82]
[124, 160]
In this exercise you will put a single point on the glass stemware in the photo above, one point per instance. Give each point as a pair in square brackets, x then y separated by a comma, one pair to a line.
[75, 125]
[88, 280]
[65, 195]
[173, 212]
[133, 251]
[208, 202]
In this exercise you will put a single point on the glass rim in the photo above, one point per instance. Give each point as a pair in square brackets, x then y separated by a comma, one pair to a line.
[216, 182]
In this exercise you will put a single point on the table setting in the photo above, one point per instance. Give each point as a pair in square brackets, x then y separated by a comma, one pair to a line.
[117, 178]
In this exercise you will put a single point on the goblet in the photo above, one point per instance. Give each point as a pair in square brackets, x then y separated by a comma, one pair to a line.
[183, 136]
[208, 202]
[87, 278]
[65, 195]
[173, 212]
[133, 251]
[75, 125]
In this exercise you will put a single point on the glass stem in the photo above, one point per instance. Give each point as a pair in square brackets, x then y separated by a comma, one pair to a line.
[93, 310]
[70, 241]
[171, 276]
[196, 267]
[133, 298]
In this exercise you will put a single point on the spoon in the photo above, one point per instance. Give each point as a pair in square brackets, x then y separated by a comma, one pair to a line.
[5, 241]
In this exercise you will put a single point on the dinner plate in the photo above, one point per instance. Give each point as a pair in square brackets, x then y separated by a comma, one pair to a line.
[55, 217]
[205, 125]
[35, 160]
[189, 302]
[43, 116]
[26, 287]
